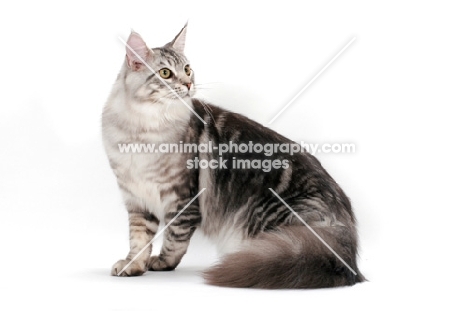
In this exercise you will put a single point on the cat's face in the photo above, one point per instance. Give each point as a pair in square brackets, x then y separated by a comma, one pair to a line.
[169, 77]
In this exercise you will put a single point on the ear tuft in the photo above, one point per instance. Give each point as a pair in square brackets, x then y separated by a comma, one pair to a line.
[178, 43]
[137, 51]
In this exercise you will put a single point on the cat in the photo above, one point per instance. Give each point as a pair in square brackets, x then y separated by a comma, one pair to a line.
[262, 242]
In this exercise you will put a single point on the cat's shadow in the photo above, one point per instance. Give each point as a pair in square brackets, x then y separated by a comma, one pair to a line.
[181, 274]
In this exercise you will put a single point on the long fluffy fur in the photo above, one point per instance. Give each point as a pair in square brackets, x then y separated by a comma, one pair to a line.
[290, 258]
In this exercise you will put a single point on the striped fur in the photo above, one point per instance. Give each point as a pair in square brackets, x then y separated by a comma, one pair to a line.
[263, 244]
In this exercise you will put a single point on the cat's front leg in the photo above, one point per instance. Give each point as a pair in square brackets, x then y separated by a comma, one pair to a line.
[176, 239]
[143, 227]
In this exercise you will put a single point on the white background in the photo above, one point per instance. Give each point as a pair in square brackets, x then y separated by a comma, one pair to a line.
[398, 92]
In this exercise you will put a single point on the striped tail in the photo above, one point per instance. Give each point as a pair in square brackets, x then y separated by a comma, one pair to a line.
[290, 258]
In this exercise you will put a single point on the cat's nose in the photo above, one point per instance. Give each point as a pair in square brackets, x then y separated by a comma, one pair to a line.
[188, 85]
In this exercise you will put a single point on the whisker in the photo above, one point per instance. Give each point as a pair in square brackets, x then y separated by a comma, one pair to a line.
[208, 110]
[197, 84]
[165, 96]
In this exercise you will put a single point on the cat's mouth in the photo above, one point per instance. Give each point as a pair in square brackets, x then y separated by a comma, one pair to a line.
[184, 93]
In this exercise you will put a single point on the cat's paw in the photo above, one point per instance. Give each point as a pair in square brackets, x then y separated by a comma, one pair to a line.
[155, 263]
[136, 268]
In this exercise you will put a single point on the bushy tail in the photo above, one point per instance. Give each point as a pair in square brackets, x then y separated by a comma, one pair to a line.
[290, 258]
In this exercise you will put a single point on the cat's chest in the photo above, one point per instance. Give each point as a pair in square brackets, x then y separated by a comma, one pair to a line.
[146, 172]
[150, 179]
[142, 174]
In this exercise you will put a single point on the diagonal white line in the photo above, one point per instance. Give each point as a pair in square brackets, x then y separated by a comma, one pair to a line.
[313, 79]
[159, 233]
[314, 232]
[162, 80]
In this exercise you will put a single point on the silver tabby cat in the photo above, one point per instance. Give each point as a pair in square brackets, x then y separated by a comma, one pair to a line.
[263, 244]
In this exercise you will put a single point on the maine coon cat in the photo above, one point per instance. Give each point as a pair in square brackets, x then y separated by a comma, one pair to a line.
[263, 244]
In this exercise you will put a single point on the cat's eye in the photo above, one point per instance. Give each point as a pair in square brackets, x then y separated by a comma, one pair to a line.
[187, 70]
[165, 73]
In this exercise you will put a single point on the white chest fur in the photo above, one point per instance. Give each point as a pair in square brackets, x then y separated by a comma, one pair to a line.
[140, 178]
[144, 176]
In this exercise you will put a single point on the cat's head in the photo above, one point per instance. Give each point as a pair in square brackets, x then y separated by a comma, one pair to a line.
[160, 75]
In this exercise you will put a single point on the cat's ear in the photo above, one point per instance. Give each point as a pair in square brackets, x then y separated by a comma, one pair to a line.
[137, 51]
[178, 43]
